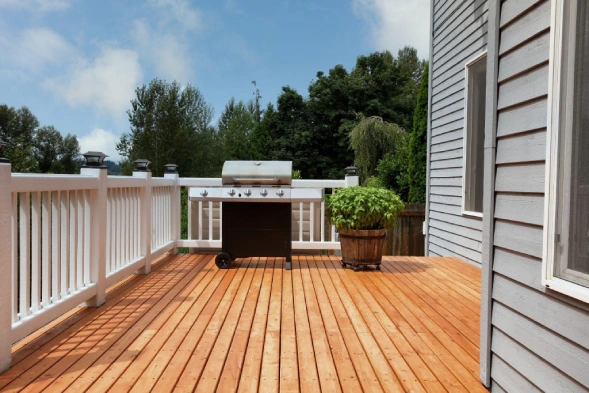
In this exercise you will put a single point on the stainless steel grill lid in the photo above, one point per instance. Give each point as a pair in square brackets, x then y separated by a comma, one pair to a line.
[257, 172]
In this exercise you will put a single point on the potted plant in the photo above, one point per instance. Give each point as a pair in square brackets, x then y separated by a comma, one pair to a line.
[361, 216]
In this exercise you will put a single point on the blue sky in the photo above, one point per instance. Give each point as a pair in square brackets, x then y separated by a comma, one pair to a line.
[76, 63]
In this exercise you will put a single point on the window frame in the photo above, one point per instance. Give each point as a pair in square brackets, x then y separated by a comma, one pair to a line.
[465, 136]
[563, 19]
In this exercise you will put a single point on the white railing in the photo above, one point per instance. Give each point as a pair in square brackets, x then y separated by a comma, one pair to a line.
[51, 236]
[310, 227]
[71, 236]
[65, 238]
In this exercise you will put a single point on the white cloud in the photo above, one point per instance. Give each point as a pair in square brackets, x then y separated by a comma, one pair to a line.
[101, 140]
[397, 23]
[34, 49]
[181, 11]
[107, 83]
[166, 52]
[35, 5]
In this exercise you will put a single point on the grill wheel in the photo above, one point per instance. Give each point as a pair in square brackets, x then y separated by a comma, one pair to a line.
[223, 260]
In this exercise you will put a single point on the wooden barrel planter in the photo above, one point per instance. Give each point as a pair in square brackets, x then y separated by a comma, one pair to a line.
[362, 247]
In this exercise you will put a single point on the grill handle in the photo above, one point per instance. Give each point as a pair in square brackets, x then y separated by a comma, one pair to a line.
[245, 180]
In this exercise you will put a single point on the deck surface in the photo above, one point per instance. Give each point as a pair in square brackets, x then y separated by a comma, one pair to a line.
[188, 326]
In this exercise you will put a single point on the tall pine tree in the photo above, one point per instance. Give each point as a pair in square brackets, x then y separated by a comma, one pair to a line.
[418, 144]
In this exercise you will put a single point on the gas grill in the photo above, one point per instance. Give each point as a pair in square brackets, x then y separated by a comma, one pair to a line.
[256, 209]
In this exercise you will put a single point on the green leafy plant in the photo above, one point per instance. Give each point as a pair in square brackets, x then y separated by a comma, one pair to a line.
[358, 208]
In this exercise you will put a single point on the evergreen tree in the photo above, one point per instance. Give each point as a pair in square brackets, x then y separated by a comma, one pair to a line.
[416, 169]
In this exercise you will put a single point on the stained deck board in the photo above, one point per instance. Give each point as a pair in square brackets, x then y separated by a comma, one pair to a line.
[257, 327]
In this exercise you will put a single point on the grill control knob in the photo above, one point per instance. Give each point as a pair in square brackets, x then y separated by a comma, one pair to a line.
[204, 193]
[280, 193]
[232, 192]
[264, 192]
[248, 192]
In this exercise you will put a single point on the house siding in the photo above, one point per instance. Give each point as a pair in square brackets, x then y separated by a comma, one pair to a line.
[459, 34]
[539, 338]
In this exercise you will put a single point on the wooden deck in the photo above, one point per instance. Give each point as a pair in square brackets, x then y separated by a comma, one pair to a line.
[188, 326]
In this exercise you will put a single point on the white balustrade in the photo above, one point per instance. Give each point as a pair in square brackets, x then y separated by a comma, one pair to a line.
[65, 238]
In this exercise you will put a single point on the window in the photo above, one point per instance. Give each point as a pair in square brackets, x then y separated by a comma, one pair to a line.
[474, 136]
[566, 241]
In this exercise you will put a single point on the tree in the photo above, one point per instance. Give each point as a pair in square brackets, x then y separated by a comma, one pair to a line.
[47, 147]
[235, 127]
[371, 140]
[17, 129]
[69, 155]
[416, 168]
[170, 124]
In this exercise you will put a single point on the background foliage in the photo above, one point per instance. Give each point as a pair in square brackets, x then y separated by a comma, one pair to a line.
[374, 115]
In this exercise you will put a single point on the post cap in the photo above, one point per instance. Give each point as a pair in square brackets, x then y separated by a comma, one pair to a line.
[142, 165]
[351, 171]
[94, 159]
[170, 168]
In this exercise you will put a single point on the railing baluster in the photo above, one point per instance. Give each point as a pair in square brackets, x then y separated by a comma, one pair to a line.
[55, 241]
[126, 225]
[25, 254]
[14, 257]
[65, 242]
[88, 194]
[322, 221]
[133, 223]
[113, 233]
[73, 243]
[108, 232]
[119, 229]
[200, 213]
[46, 246]
[35, 251]
[80, 239]
[312, 222]
[210, 220]
[301, 221]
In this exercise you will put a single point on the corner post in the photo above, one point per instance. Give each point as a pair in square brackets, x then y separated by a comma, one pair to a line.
[144, 172]
[175, 205]
[6, 274]
[352, 178]
[98, 235]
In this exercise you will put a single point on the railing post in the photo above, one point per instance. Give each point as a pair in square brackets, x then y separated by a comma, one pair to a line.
[175, 205]
[352, 178]
[98, 225]
[6, 275]
[144, 172]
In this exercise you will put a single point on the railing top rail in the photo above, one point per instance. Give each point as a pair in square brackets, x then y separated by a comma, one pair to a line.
[200, 181]
[25, 182]
[300, 183]
[125, 182]
[160, 181]
[216, 182]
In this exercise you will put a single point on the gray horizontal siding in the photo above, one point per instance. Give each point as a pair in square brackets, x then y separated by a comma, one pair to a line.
[531, 366]
[531, 23]
[540, 340]
[460, 34]
[508, 379]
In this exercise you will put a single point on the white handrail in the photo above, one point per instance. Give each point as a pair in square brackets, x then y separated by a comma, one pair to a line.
[72, 235]
[30, 183]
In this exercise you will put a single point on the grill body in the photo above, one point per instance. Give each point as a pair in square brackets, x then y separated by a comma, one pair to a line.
[257, 229]
[256, 209]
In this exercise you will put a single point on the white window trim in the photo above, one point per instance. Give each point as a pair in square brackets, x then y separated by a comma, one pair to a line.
[465, 135]
[555, 84]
